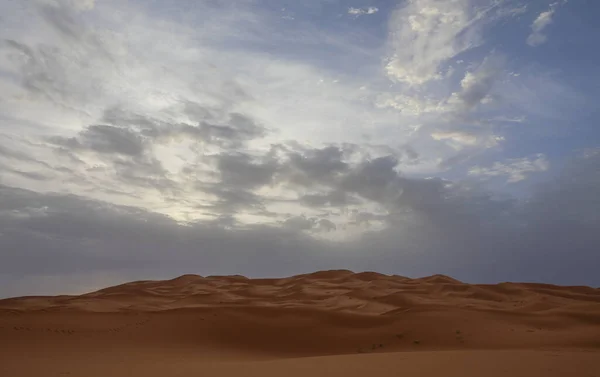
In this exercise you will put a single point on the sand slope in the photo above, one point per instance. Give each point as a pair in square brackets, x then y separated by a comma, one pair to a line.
[324, 323]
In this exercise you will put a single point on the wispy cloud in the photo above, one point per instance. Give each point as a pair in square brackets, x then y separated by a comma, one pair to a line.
[512, 11]
[426, 33]
[515, 169]
[362, 11]
[543, 20]
[477, 84]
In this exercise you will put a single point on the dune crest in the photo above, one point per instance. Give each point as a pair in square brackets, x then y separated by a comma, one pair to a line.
[326, 313]
[368, 293]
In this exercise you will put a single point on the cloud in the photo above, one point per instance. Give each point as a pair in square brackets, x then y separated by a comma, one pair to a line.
[476, 88]
[220, 127]
[515, 169]
[362, 11]
[411, 105]
[131, 83]
[58, 235]
[426, 36]
[457, 136]
[517, 10]
[269, 183]
[79, 5]
[11, 155]
[105, 139]
[476, 85]
[426, 33]
[299, 223]
[324, 225]
[243, 170]
[230, 201]
[233, 130]
[543, 20]
[309, 166]
[450, 228]
[84, 4]
[330, 199]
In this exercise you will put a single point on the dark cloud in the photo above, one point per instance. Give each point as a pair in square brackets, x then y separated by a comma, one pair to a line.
[449, 228]
[105, 139]
[299, 223]
[411, 154]
[28, 174]
[70, 28]
[376, 179]
[119, 117]
[61, 18]
[233, 133]
[50, 71]
[332, 176]
[308, 166]
[16, 155]
[126, 145]
[347, 172]
[62, 235]
[311, 224]
[145, 172]
[232, 200]
[361, 217]
[41, 72]
[244, 170]
[325, 225]
[127, 154]
[330, 199]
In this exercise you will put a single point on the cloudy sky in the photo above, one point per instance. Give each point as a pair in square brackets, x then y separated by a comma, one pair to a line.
[147, 139]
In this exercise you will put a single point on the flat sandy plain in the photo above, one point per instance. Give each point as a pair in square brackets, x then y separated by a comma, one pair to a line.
[329, 323]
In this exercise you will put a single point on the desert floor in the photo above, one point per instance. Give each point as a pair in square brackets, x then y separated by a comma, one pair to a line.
[329, 323]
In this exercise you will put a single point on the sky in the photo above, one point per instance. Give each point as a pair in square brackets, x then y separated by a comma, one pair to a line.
[149, 139]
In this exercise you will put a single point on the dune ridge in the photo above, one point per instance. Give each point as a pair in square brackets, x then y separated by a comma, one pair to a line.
[195, 319]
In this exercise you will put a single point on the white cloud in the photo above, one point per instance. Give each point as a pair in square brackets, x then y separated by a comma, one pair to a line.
[84, 4]
[411, 105]
[457, 119]
[476, 85]
[590, 152]
[78, 5]
[456, 136]
[515, 170]
[537, 36]
[426, 33]
[507, 119]
[512, 12]
[362, 11]
[468, 141]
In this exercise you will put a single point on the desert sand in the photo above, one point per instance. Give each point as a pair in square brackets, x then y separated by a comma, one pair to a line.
[329, 323]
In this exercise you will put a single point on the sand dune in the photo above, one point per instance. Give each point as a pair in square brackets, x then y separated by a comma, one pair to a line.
[325, 323]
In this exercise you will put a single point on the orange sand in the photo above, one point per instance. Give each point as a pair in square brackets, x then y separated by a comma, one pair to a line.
[330, 323]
